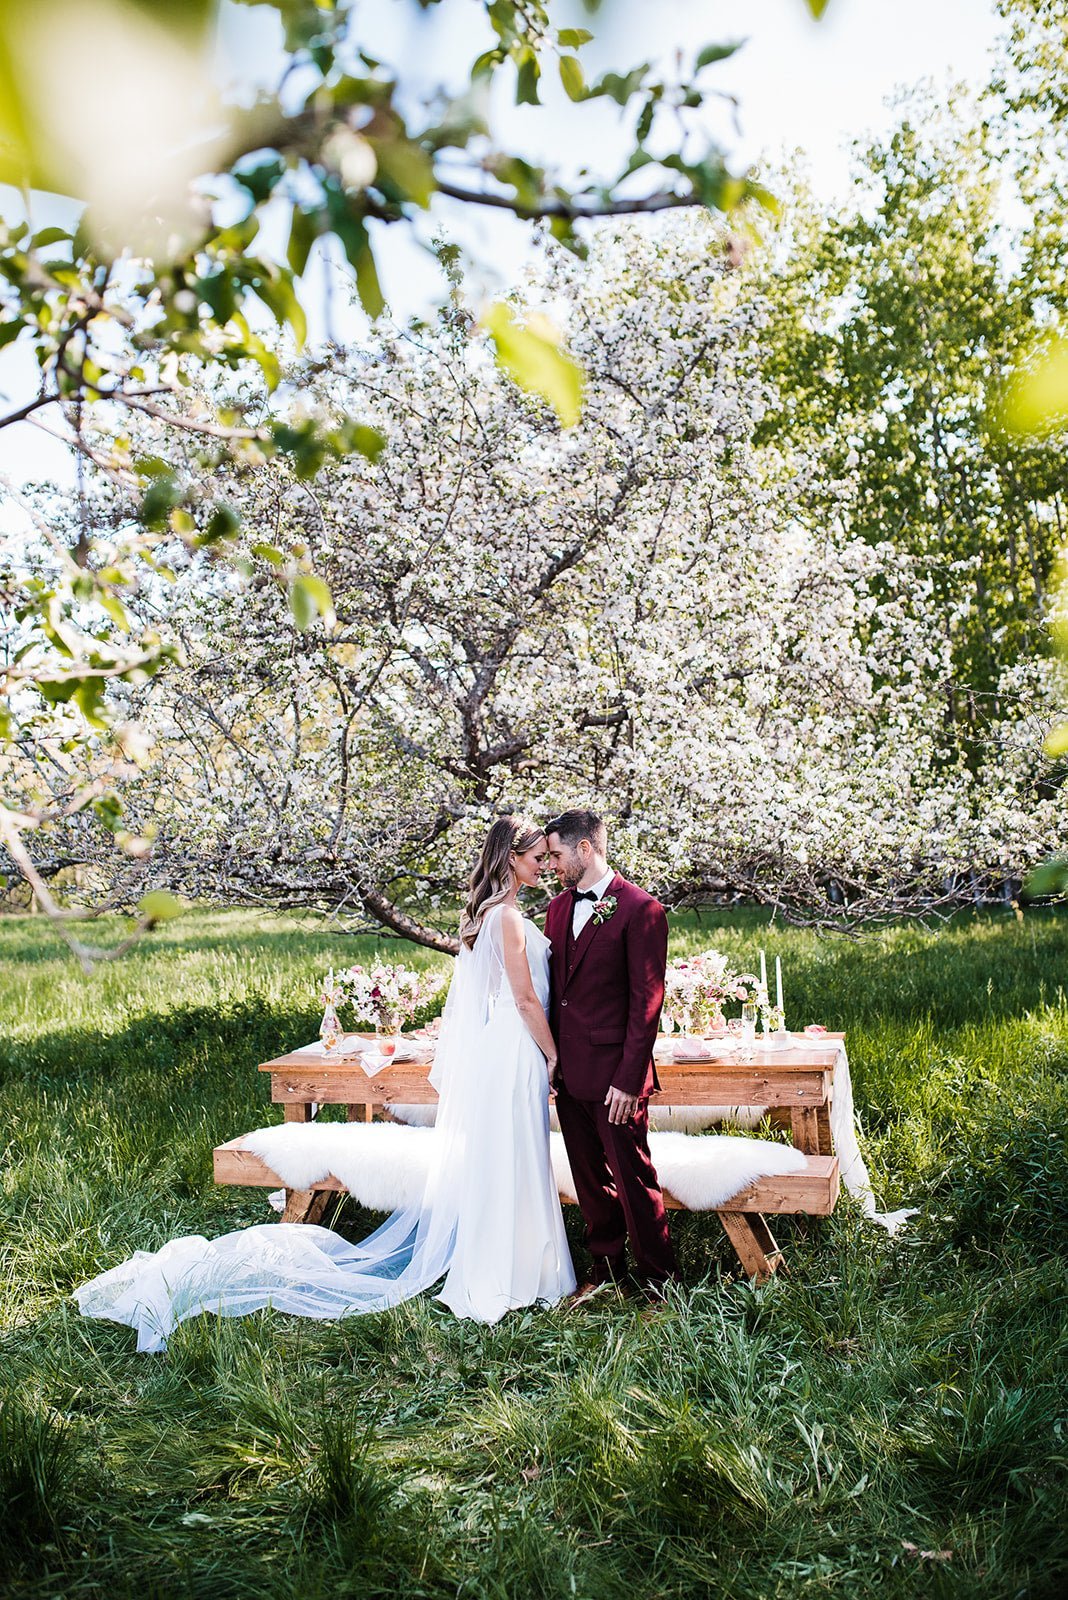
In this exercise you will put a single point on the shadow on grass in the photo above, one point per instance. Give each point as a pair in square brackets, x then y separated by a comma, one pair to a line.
[236, 1032]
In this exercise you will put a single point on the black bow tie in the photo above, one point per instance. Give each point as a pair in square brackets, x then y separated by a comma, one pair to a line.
[585, 894]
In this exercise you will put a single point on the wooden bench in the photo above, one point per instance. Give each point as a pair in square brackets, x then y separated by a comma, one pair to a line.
[812, 1192]
[794, 1085]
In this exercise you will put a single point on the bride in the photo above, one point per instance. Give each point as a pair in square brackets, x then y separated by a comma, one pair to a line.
[489, 1221]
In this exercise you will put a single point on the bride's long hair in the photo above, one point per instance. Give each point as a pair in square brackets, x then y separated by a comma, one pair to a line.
[491, 880]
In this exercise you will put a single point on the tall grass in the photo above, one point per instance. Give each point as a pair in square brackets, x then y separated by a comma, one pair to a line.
[889, 1419]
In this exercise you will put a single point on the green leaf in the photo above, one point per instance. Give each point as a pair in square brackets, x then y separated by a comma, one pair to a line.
[1036, 400]
[223, 523]
[619, 87]
[573, 38]
[367, 285]
[89, 698]
[160, 498]
[304, 442]
[502, 14]
[57, 691]
[108, 810]
[486, 64]
[9, 332]
[357, 436]
[528, 71]
[352, 91]
[47, 236]
[817, 7]
[563, 230]
[260, 180]
[716, 52]
[268, 552]
[357, 246]
[407, 169]
[116, 611]
[265, 358]
[218, 293]
[182, 522]
[1056, 744]
[642, 129]
[303, 232]
[571, 77]
[152, 467]
[280, 298]
[159, 906]
[532, 355]
[309, 597]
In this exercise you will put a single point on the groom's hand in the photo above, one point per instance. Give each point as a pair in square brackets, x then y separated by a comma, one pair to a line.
[621, 1106]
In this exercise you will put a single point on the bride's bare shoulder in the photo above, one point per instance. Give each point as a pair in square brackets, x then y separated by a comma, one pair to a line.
[513, 927]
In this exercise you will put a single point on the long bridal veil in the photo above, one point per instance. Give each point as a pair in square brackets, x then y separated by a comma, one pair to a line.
[308, 1270]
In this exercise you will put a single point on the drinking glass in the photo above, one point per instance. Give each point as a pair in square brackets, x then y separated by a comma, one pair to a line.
[749, 1022]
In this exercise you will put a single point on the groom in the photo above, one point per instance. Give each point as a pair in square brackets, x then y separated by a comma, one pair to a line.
[609, 952]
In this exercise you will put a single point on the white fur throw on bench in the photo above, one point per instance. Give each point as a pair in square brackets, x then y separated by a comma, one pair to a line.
[662, 1119]
[384, 1165]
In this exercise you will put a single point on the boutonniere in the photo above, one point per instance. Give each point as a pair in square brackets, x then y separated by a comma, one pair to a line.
[603, 909]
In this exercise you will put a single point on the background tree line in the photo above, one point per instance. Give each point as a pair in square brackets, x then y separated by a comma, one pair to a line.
[667, 608]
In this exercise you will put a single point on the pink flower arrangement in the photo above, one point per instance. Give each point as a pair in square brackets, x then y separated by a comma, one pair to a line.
[386, 996]
[696, 988]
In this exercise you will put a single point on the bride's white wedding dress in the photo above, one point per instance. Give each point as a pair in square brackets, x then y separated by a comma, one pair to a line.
[489, 1222]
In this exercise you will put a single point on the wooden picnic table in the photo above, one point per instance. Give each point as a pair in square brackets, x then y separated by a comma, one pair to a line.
[794, 1085]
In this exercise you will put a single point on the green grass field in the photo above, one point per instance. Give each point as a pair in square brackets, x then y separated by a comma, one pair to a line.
[889, 1420]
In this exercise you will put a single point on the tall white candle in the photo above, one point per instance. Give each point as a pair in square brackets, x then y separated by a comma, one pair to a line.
[330, 979]
[778, 982]
[763, 972]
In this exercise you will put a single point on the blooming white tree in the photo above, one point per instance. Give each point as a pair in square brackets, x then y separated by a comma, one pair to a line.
[637, 613]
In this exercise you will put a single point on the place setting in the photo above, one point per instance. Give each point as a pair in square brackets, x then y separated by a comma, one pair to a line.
[700, 989]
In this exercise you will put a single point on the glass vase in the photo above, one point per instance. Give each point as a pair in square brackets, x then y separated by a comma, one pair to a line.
[387, 1033]
[330, 1031]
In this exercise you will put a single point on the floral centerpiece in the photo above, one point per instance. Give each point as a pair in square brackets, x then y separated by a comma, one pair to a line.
[696, 988]
[387, 996]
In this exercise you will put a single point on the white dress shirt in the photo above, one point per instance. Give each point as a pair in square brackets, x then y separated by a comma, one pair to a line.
[584, 908]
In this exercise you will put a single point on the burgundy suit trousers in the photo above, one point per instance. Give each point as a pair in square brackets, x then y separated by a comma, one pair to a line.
[617, 1189]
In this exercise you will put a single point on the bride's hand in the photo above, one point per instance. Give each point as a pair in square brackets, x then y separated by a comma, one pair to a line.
[553, 1066]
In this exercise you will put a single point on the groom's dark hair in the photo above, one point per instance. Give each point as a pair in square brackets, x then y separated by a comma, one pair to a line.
[571, 826]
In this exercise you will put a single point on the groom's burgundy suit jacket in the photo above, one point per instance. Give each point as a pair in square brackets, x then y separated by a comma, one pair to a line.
[607, 989]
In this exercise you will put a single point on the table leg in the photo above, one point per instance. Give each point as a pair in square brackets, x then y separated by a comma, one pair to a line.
[806, 1130]
[823, 1125]
[298, 1111]
[363, 1111]
[751, 1237]
[305, 1205]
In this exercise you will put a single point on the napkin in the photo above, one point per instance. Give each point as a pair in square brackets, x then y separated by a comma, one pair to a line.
[685, 1048]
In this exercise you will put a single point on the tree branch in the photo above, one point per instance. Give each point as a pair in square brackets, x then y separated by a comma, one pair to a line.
[87, 954]
[569, 210]
[391, 916]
